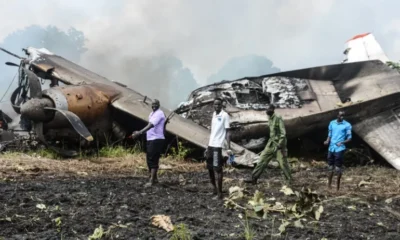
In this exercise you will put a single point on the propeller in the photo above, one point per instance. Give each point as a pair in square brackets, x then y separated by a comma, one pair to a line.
[12, 54]
[76, 123]
[12, 64]
[38, 110]
[27, 81]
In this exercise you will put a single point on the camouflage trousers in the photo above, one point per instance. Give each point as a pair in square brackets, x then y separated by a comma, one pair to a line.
[270, 152]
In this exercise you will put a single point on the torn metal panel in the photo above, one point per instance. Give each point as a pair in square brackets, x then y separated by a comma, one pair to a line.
[254, 94]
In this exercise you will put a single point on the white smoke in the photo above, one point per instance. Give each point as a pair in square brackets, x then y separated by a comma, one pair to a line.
[205, 34]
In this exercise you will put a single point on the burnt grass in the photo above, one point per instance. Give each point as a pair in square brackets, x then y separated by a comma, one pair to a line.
[84, 203]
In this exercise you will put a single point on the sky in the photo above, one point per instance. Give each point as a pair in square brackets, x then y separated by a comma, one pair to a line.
[206, 34]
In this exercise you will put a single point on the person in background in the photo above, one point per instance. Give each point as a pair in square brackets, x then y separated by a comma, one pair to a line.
[155, 140]
[339, 133]
[275, 148]
[219, 132]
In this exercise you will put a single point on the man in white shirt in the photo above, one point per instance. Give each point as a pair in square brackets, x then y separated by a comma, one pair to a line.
[219, 132]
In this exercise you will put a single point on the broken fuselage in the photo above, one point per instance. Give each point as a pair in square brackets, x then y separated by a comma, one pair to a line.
[307, 99]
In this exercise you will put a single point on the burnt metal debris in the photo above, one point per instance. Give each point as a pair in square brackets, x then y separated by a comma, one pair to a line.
[85, 109]
[308, 99]
[82, 109]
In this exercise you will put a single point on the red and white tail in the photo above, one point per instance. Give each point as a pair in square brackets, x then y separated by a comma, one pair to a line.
[364, 47]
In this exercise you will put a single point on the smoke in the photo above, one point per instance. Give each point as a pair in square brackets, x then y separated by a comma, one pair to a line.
[246, 66]
[69, 44]
[157, 46]
[162, 76]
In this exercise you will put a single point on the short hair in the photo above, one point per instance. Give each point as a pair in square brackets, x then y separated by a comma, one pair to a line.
[271, 106]
[156, 101]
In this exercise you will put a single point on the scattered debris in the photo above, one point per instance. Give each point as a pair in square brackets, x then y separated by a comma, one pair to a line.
[235, 193]
[364, 183]
[282, 227]
[41, 206]
[287, 191]
[388, 201]
[97, 234]
[163, 222]
[182, 180]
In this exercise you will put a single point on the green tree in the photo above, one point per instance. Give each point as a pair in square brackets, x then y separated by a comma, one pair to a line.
[70, 44]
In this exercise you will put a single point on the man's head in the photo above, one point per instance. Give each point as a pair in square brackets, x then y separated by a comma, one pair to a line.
[218, 104]
[155, 104]
[270, 110]
[340, 116]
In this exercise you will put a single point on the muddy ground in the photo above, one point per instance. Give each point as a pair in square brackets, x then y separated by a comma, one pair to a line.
[83, 195]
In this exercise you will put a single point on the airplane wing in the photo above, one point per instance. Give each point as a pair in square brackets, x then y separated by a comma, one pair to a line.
[129, 101]
[380, 132]
[54, 66]
[134, 105]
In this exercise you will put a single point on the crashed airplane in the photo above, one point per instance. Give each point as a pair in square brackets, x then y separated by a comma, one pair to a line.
[308, 99]
[80, 104]
[84, 108]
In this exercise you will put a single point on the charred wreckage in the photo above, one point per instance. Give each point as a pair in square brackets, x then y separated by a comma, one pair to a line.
[89, 109]
[81, 109]
[308, 99]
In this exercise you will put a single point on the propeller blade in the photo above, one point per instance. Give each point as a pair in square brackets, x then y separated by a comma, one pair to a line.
[35, 88]
[13, 98]
[12, 54]
[12, 64]
[76, 123]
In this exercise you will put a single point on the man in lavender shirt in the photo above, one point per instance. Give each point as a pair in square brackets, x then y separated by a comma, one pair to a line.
[155, 140]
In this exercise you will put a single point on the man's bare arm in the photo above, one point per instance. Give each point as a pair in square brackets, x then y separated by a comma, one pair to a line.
[145, 129]
[228, 137]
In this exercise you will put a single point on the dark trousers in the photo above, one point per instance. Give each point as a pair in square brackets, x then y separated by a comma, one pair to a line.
[335, 160]
[214, 159]
[153, 152]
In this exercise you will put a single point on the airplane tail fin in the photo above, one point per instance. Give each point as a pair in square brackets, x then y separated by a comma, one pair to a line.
[364, 47]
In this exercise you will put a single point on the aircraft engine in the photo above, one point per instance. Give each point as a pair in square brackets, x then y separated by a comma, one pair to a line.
[86, 101]
[80, 105]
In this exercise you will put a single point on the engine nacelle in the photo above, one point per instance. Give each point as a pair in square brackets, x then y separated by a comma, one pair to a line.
[89, 102]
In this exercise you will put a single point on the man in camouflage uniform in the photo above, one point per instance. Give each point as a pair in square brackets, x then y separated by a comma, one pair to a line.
[275, 148]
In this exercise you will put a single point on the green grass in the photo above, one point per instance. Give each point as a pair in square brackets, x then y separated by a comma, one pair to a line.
[45, 153]
[107, 152]
[249, 233]
[118, 151]
[181, 232]
[180, 152]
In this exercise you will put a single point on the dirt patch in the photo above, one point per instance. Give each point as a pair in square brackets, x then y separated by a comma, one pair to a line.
[48, 199]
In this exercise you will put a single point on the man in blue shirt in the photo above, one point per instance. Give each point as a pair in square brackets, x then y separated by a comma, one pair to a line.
[339, 133]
